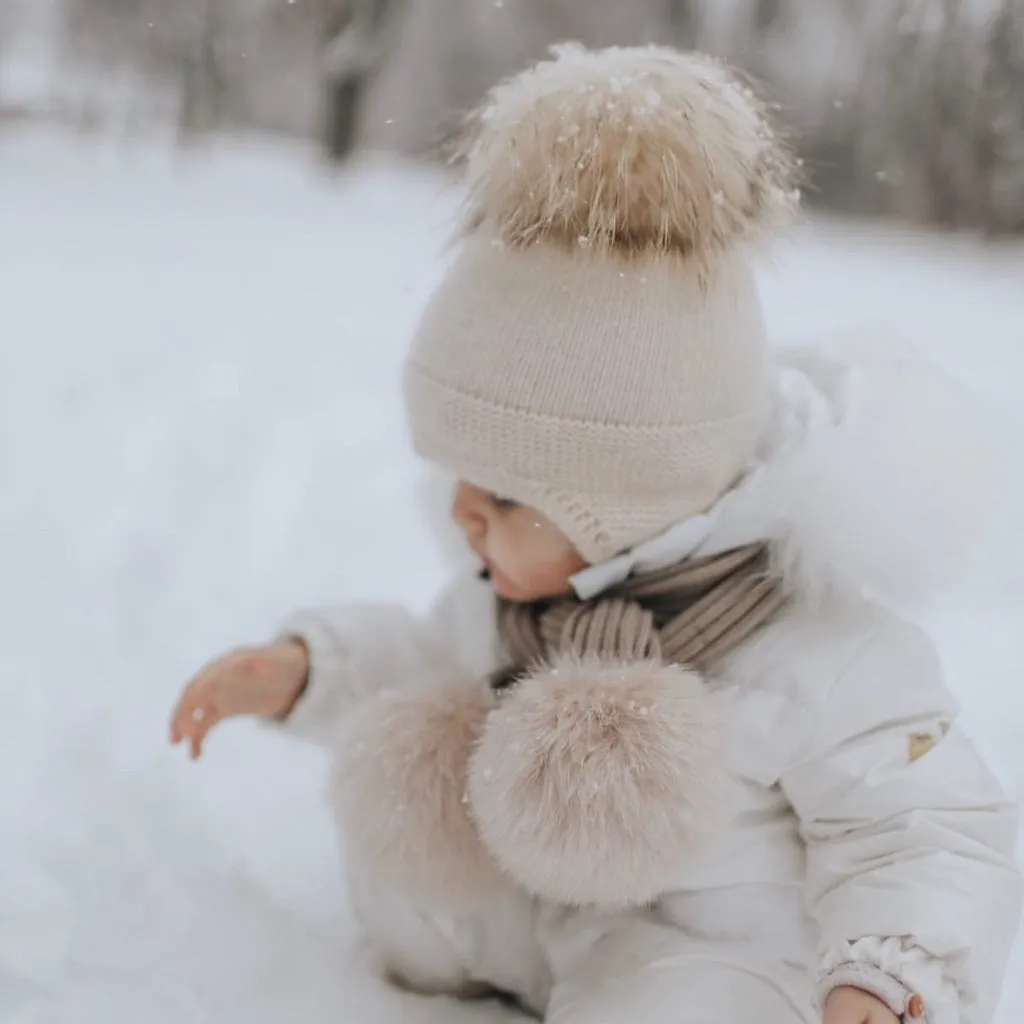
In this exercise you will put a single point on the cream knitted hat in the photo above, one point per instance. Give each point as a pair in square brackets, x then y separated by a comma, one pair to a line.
[597, 350]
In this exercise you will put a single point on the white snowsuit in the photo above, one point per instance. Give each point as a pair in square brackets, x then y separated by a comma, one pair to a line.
[871, 839]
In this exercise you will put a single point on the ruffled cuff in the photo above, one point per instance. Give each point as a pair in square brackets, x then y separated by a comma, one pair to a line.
[871, 979]
[913, 984]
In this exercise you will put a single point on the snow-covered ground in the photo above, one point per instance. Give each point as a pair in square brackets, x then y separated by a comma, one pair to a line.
[199, 430]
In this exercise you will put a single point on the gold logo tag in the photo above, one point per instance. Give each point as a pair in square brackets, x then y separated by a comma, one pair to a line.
[920, 744]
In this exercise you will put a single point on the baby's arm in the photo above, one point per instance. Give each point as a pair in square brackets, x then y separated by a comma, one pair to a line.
[356, 651]
[323, 662]
[910, 840]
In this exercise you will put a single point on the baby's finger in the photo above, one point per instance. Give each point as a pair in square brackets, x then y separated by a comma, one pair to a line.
[181, 717]
[201, 724]
[187, 704]
[183, 724]
[180, 725]
[192, 715]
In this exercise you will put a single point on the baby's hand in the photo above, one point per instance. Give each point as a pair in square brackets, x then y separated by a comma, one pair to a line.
[263, 681]
[846, 1005]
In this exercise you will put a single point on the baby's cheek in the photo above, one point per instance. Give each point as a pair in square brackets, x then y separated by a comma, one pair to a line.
[530, 537]
[546, 557]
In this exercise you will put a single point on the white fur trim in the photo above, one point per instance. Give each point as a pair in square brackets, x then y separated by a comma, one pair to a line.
[596, 783]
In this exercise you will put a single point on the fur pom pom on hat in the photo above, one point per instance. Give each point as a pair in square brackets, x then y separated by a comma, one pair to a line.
[597, 349]
[635, 149]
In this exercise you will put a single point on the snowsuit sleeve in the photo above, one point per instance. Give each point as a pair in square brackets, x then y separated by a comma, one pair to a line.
[910, 840]
[359, 650]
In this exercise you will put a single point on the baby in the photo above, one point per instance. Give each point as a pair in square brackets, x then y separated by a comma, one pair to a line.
[666, 755]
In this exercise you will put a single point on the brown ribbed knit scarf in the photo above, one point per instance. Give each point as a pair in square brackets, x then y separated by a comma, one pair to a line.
[689, 614]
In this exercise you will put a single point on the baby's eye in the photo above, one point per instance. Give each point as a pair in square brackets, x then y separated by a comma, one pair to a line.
[503, 504]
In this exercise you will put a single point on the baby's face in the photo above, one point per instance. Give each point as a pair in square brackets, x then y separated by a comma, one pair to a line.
[527, 556]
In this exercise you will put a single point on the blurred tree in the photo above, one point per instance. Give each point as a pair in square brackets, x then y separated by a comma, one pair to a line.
[447, 53]
[209, 63]
[683, 18]
[121, 54]
[766, 14]
[7, 25]
[203, 78]
[1000, 121]
[907, 107]
[941, 126]
[357, 36]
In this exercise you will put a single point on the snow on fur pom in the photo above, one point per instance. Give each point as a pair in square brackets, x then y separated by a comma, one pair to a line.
[399, 789]
[593, 783]
[628, 148]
